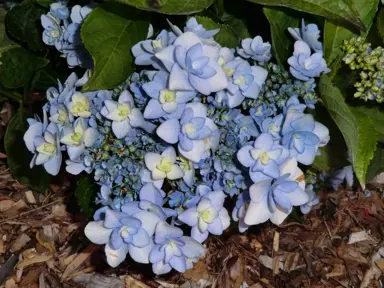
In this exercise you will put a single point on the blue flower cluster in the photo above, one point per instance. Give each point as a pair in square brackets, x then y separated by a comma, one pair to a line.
[170, 145]
[62, 30]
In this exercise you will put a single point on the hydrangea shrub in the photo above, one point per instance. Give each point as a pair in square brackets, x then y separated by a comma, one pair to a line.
[201, 133]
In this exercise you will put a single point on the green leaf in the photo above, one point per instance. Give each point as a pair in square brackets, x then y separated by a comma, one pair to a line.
[377, 164]
[45, 78]
[342, 10]
[23, 23]
[45, 3]
[174, 7]
[357, 129]
[18, 65]
[380, 24]
[335, 33]
[227, 37]
[19, 157]
[109, 33]
[86, 192]
[239, 26]
[282, 42]
[377, 116]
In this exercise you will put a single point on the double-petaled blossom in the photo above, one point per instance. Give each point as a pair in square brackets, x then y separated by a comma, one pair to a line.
[123, 114]
[78, 137]
[273, 126]
[305, 65]
[240, 209]
[129, 231]
[144, 51]
[193, 66]
[78, 105]
[152, 200]
[274, 199]
[310, 34]
[43, 140]
[302, 136]
[256, 49]
[58, 96]
[172, 249]
[194, 132]
[163, 165]
[193, 26]
[53, 32]
[312, 200]
[244, 81]
[165, 102]
[209, 216]
[262, 158]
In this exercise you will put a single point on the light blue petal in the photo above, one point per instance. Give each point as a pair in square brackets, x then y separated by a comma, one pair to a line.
[157, 254]
[141, 255]
[53, 165]
[179, 79]
[192, 248]
[152, 194]
[198, 236]
[189, 217]
[75, 152]
[169, 131]
[164, 231]
[161, 268]
[178, 263]
[140, 239]
[121, 129]
[148, 220]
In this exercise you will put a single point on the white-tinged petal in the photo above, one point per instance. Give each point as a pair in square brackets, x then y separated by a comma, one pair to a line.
[153, 110]
[197, 235]
[244, 156]
[175, 173]
[148, 220]
[126, 97]
[141, 255]
[136, 118]
[187, 40]
[90, 136]
[257, 213]
[196, 153]
[116, 257]
[179, 79]
[53, 165]
[166, 57]
[189, 216]
[151, 160]
[158, 174]
[75, 152]
[199, 109]
[279, 216]
[224, 217]
[169, 131]
[121, 129]
[170, 154]
[96, 232]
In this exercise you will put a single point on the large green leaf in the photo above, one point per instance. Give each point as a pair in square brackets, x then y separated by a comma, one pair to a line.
[175, 7]
[377, 164]
[377, 116]
[282, 42]
[335, 33]
[109, 33]
[239, 26]
[357, 128]
[19, 157]
[380, 24]
[18, 65]
[23, 23]
[227, 36]
[86, 192]
[342, 10]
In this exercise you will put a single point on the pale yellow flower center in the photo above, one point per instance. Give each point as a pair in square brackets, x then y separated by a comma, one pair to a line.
[167, 96]
[165, 165]
[47, 149]
[124, 110]
[264, 158]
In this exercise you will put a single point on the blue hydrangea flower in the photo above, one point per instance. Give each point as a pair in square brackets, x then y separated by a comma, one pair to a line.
[145, 51]
[244, 81]
[78, 137]
[58, 96]
[165, 102]
[192, 130]
[123, 114]
[305, 66]
[255, 49]
[163, 165]
[172, 249]
[209, 216]
[261, 112]
[129, 231]
[193, 65]
[240, 209]
[193, 26]
[53, 32]
[310, 34]
[59, 10]
[42, 139]
[274, 199]
[104, 196]
[262, 157]
[273, 126]
[313, 200]
[152, 200]
[302, 136]
[176, 199]
[245, 128]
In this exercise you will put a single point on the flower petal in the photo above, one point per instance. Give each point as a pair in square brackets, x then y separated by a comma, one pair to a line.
[96, 232]
[169, 131]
